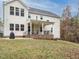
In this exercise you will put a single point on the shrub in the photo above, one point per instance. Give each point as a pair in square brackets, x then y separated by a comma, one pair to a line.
[12, 35]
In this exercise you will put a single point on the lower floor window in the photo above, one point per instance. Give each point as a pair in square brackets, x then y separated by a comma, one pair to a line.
[40, 29]
[17, 27]
[22, 27]
[11, 27]
[28, 28]
[51, 29]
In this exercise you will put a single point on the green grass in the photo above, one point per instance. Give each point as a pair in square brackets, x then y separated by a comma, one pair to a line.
[38, 49]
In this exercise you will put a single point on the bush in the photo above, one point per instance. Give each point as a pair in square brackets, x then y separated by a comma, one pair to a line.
[1, 34]
[12, 35]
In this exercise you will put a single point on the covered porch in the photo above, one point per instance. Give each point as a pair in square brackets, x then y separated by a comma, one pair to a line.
[36, 29]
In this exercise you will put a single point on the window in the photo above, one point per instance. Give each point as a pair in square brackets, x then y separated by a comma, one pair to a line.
[41, 18]
[28, 28]
[17, 11]
[51, 29]
[29, 16]
[17, 27]
[11, 27]
[40, 29]
[22, 12]
[47, 20]
[11, 10]
[22, 27]
[36, 17]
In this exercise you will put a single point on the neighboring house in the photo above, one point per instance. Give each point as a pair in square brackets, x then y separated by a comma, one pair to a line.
[21, 19]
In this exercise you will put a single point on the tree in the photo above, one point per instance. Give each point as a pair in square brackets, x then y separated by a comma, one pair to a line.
[65, 22]
[67, 13]
[70, 26]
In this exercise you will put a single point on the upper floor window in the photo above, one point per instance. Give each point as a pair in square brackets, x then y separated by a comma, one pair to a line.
[17, 27]
[22, 12]
[11, 27]
[36, 17]
[47, 20]
[17, 11]
[29, 16]
[22, 27]
[11, 10]
[41, 17]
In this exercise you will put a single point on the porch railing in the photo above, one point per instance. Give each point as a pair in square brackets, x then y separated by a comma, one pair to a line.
[40, 36]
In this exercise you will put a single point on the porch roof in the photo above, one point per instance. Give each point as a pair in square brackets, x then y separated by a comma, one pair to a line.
[40, 22]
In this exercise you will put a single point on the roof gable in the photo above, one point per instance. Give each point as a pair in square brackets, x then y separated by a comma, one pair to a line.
[18, 1]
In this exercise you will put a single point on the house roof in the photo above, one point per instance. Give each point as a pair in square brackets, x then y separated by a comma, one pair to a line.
[15, 0]
[42, 12]
[36, 11]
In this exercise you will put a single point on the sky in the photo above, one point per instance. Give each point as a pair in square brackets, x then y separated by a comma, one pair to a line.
[54, 6]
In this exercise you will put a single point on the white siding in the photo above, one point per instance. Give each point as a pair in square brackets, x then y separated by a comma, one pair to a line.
[13, 18]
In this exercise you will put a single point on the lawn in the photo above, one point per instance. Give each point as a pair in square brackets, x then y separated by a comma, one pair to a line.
[38, 49]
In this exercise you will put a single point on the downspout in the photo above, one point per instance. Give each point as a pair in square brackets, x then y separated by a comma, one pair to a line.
[3, 16]
[3, 12]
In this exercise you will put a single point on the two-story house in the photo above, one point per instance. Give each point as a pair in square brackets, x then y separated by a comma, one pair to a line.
[22, 19]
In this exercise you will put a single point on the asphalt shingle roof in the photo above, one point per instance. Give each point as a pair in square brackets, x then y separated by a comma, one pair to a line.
[42, 12]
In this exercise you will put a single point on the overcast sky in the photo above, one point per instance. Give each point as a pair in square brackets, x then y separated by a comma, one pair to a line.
[55, 6]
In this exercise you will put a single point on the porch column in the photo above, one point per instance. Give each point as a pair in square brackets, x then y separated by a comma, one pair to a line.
[42, 28]
[30, 28]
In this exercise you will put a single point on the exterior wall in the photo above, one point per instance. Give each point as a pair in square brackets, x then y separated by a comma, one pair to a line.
[13, 18]
[56, 28]
[45, 18]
